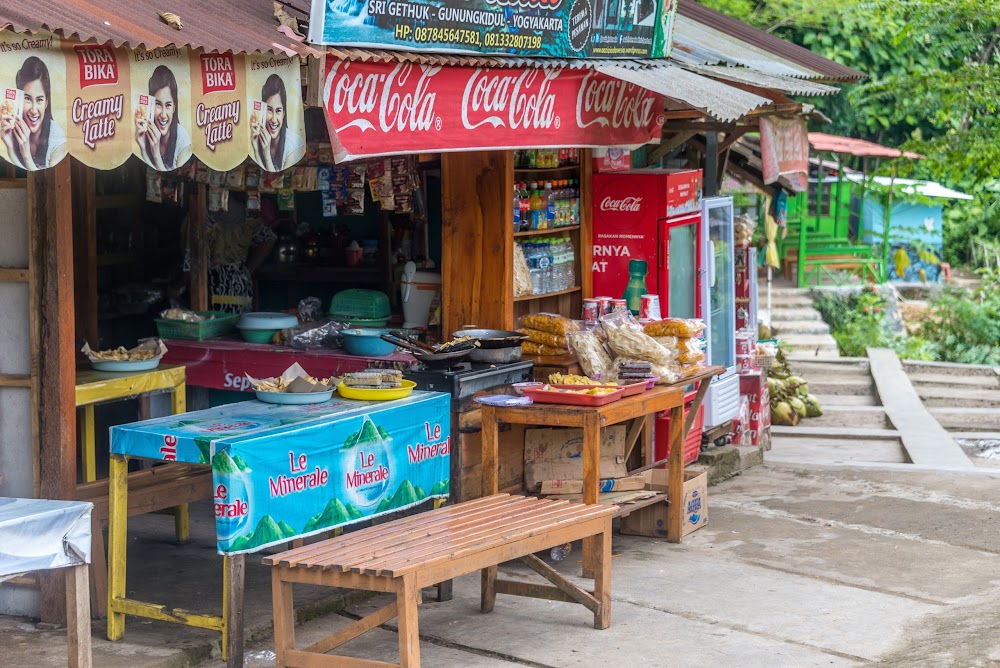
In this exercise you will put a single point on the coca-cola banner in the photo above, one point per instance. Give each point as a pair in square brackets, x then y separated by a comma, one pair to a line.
[560, 28]
[377, 109]
[102, 104]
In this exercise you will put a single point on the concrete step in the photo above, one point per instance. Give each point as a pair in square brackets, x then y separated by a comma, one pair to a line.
[857, 386]
[970, 381]
[937, 396]
[951, 368]
[780, 314]
[846, 400]
[807, 429]
[778, 292]
[786, 327]
[791, 302]
[810, 450]
[967, 419]
[861, 417]
[822, 369]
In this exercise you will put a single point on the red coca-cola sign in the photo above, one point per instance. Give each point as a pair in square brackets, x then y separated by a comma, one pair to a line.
[621, 204]
[390, 108]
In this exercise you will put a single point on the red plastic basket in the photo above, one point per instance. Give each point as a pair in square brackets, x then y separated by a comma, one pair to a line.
[661, 436]
[548, 397]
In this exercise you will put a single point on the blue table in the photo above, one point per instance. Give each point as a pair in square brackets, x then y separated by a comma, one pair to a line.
[280, 473]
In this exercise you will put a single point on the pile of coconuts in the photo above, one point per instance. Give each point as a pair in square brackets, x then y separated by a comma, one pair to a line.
[790, 398]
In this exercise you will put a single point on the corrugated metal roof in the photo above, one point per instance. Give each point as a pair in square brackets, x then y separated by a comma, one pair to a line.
[241, 26]
[722, 102]
[821, 141]
[744, 75]
[822, 69]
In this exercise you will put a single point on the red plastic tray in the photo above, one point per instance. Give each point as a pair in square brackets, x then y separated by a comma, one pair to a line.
[629, 390]
[549, 397]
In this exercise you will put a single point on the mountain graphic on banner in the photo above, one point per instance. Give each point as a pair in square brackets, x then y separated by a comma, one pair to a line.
[442, 488]
[406, 495]
[334, 514]
[369, 434]
[267, 531]
[223, 462]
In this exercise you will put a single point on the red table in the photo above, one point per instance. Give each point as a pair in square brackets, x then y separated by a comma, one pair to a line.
[222, 364]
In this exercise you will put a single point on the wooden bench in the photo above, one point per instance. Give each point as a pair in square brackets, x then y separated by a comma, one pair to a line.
[150, 490]
[404, 556]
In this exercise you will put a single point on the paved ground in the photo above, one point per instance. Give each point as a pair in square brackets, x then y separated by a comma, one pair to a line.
[796, 567]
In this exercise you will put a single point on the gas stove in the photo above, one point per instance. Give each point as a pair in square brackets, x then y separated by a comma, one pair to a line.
[466, 378]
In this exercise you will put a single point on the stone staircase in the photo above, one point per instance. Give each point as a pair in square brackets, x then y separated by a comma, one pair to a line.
[796, 322]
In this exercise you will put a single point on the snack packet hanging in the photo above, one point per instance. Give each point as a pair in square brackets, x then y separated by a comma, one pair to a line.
[550, 322]
[675, 327]
[590, 352]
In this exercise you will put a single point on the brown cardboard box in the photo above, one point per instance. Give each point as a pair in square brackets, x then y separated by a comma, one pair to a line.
[652, 520]
[556, 454]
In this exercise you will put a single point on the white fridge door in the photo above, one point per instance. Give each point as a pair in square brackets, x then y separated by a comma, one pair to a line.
[719, 286]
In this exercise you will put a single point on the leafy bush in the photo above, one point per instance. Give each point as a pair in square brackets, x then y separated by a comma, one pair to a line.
[965, 327]
[861, 320]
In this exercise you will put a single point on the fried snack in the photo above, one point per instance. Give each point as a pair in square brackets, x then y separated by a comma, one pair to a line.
[594, 391]
[690, 351]
[591, 354]
[122, 354]
[448, 345]
[529, 348]
[550, 322]
[675, 327]
[627, 342]
[544, 338]
[522, 274]
[375, 379]
[571, 379]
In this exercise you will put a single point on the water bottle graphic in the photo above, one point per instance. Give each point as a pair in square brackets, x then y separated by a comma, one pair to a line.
[232, 496]
[366, 461]
[636, 287]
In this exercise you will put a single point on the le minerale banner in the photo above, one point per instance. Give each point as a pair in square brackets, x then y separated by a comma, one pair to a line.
[102, 105]
[554, 28]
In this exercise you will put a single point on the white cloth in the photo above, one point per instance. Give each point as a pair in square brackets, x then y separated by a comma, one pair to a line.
[57, 139]
[183, 142]
[38, 534]
[295, 148]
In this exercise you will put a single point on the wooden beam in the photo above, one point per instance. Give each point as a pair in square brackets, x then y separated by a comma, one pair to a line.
[668, 145]
[731, 137]
[13, 275]
[198, 244]
[50, 215]
[315, 74]
[85, 254]
[14, 380]
[700, 127]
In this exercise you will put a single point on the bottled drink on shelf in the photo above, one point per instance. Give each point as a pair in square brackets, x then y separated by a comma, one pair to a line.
[524, 202]
[517, 207]
[537, 208]
[550, 206]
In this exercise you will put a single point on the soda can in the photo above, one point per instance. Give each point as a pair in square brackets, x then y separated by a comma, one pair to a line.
[619, 305]
[591, 311]
[605, 303]
[650, 307]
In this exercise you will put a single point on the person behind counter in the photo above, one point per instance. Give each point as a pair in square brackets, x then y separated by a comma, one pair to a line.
[237, 246]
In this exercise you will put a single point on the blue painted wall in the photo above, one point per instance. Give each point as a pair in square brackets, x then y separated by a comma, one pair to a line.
[909, 223]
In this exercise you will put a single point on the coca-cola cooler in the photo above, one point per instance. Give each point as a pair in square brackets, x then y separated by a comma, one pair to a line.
[649, 221]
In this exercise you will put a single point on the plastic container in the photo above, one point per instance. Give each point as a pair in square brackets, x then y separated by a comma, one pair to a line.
[261, 327]
[629, 390]
[217, 323]
[123, 366]
[692, 445]
[367, 342]
[376, 395]
[295, 398]
[540, 396]
[368, 304]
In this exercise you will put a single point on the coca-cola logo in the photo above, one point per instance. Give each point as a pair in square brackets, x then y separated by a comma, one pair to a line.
[622, 204]
[519, 101]
[395, 101]
[612, 103]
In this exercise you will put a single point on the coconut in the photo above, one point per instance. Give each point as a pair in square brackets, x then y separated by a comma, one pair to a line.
[798, 406]
[802, 390]
[813, 409]
[784, 415]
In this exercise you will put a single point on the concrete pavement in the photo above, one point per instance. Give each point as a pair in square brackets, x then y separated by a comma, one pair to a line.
[796, 567]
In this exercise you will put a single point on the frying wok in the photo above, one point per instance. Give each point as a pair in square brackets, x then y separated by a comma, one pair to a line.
[493, 338]
[430, 359]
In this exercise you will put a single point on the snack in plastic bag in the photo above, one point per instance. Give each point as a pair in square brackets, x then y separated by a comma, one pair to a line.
[632, 343]
[690, 351]
[522, 274]
[675, 327]
[544, 338]
[529, 348]
[591, 354]
[619, 320]
[668, 342]
[310, 309]
[550, 322]
[743, 229]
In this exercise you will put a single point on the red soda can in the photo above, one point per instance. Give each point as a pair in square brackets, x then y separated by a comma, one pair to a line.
[605, 303]
[650, 307]
[591, 311]
[619, 305]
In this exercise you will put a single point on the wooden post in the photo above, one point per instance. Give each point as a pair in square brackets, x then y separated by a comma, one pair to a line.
[78, 616]
[233, 579]
[198, 244]
[585, 253]
[85, 253]
[50, 218]
[477, 239]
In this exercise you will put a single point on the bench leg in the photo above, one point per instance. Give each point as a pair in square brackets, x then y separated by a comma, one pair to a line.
[78, 616]
[591, 482]
[444, 591]
[407, 600]
[602, 579]
[284, 618]
[182, 524]
[488, 597]
[98, 568]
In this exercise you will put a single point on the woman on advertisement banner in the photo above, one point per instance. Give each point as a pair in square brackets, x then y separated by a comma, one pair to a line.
[33, 139]
[276, 148]
[163, 142]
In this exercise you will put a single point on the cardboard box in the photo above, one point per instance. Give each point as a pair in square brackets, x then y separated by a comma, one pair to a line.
[652, 520]
[557, 454]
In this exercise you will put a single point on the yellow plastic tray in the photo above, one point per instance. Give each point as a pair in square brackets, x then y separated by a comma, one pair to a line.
[376, 395]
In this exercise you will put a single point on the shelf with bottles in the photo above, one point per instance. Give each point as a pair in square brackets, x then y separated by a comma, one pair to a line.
[546, 159]
[546, 205]
[555, 230]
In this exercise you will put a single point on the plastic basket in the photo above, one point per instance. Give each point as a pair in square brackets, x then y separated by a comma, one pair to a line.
[216, 323]
[367, 304]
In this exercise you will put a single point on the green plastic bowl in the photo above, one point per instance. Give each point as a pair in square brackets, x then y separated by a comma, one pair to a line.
[258, 335]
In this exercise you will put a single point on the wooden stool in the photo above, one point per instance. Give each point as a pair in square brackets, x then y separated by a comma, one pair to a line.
[404, 556]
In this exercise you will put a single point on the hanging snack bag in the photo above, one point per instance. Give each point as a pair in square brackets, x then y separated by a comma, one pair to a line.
[550, 322]
[675, 327]
[590, 352]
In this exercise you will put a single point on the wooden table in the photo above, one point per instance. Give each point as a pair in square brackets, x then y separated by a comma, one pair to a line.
[592, 420]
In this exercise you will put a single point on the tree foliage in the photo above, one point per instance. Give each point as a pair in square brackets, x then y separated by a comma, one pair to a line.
[933, 87]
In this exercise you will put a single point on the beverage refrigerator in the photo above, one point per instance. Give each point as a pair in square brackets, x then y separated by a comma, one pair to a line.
[718, 294]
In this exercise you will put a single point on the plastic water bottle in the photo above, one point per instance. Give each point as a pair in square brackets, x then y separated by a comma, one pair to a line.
[560, 552]
[550, 206]
[517, 207]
